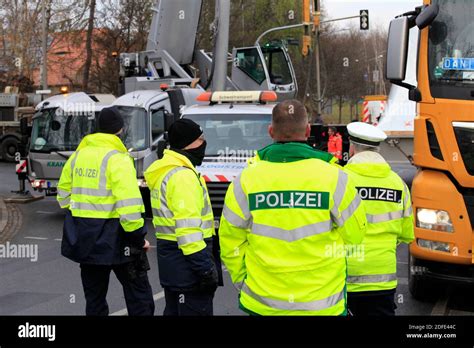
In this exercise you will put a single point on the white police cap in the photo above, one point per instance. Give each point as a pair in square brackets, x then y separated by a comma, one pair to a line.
[365, 134]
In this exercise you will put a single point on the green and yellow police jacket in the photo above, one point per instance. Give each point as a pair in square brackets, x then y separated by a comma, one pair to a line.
[283, 229]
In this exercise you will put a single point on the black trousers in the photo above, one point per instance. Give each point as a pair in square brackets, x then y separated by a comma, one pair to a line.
[188, 303]
[372, 303]
[137, 290]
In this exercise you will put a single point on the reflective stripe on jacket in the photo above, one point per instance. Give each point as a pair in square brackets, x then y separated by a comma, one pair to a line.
[386, 199]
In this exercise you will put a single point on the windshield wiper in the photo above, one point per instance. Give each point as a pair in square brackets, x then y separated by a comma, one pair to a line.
[53, 150]
[61, 154]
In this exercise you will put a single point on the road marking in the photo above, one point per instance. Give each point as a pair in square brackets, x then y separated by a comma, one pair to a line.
[440, 307]
[156, 297]
[3, 215]
[45, 212]
[58, 239]
[36, 238]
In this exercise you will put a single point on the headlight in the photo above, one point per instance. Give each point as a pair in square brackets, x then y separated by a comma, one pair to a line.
[437, 246]
[436, 220]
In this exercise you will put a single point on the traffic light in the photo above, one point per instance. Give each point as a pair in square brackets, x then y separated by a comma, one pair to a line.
[364, 19]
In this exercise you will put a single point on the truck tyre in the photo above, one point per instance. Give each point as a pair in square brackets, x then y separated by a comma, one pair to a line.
[8, 149]
[420, 288]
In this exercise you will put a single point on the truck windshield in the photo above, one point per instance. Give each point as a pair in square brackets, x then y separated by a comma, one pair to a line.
[232, 135]
[135, 127]
[451, 50]
[278, 66]
[56, 131]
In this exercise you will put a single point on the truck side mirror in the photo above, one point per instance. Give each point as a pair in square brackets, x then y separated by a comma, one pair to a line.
[169, 119]
[397, 51]
[55, 125]
[161, 147]
[24, 129]
[427, 16]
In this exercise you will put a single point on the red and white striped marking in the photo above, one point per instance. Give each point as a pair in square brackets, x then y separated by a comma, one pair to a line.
[218, 178]
[366, 112]
[21, 167]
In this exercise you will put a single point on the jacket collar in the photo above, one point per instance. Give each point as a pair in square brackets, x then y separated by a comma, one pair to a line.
[367, 157]
[368, 163]
[103, 140]
[170, 160]
[177, 159]
[291, 152]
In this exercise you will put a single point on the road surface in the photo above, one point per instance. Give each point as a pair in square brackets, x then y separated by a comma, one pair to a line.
[50, 284]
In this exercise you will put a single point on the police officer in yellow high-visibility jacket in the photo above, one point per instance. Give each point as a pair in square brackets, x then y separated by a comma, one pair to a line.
[104, 229]
[285, 222]
[372, 268]
[184, 223]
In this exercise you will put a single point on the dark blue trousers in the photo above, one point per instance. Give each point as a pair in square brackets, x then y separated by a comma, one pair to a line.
[136, 289]
[188, 303]
[372, 303]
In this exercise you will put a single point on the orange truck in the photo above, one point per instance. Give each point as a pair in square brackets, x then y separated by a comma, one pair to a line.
[443, 188]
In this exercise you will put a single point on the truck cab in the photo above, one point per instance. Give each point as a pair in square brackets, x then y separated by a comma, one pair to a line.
[147, 114]
[235, 126]
[59, 124]
[443, 188]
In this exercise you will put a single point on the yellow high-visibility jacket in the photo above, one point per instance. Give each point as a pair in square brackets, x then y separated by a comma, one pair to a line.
[373, 265]
[283, 229]
[98, 186]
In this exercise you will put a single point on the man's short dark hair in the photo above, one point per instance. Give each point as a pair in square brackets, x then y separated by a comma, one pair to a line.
[334, 129]
[289, 120]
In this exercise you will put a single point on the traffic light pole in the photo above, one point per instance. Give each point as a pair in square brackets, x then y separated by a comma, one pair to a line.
[316, 46]
[317, 63]
[340, 19]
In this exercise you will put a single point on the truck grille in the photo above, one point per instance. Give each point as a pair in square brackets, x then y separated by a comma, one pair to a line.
[469, 200]
[217, 191]
[433, 141]
[465, 139]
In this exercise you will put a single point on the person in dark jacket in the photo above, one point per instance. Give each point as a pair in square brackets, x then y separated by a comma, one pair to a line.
[184, 223]
[104, 229]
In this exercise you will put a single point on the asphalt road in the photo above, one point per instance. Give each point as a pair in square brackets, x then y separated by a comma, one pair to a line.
[51, 284]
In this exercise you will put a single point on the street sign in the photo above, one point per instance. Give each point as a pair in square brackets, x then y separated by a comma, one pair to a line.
[21, 167]
[43, 91]
[458, 64]
[375, 76]
[364, 19]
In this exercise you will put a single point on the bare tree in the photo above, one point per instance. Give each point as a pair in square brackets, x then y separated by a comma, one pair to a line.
[90, 28]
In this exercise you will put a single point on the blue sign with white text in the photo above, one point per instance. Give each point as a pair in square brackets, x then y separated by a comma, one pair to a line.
[458, 64]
